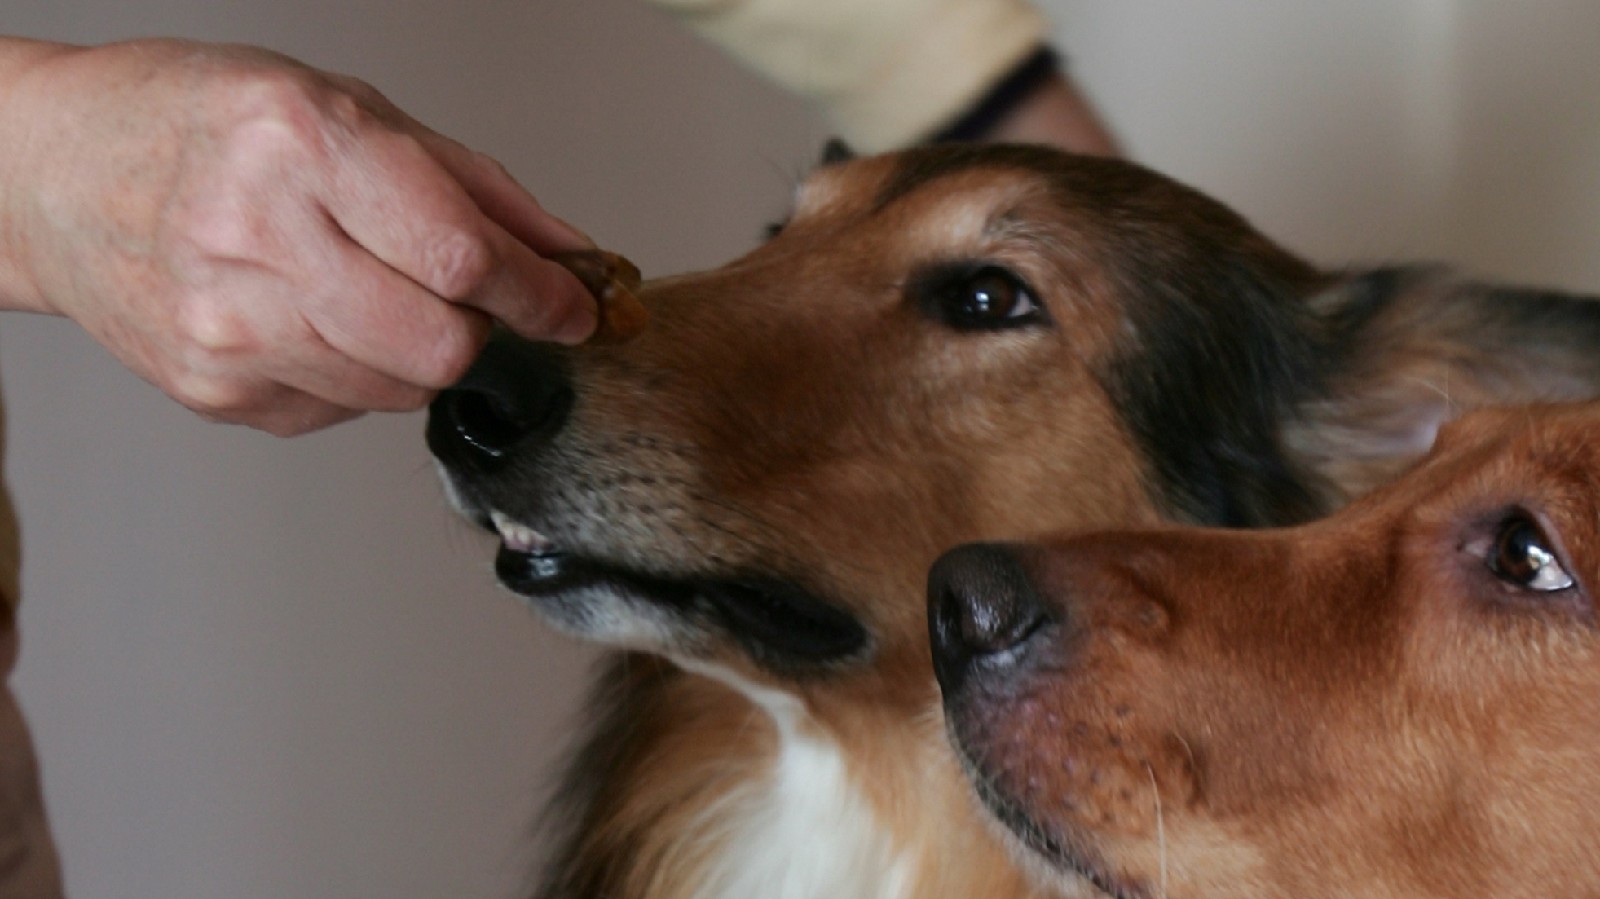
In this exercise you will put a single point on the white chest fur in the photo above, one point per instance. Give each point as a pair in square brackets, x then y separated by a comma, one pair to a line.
[805, 832]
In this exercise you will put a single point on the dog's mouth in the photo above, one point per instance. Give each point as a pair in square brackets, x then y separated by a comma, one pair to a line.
[777, 621]
[1065, 855]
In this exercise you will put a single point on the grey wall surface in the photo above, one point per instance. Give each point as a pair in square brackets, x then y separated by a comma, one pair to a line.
[261, 668]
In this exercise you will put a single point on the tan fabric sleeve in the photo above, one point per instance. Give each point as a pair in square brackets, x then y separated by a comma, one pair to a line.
[885, 72]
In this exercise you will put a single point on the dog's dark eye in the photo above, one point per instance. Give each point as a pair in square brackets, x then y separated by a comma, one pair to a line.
[983, 298]
[1521, 555]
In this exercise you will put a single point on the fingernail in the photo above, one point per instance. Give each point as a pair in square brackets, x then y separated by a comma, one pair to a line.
[579, 323]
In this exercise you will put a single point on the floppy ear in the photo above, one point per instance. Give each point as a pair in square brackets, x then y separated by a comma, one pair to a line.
[1409, 349]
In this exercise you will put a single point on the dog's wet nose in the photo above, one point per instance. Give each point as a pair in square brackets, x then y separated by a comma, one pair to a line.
[982, 607]
[516, 392]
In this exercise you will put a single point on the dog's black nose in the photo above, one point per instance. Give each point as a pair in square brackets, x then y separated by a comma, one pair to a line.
[517, 392]
[982, 607]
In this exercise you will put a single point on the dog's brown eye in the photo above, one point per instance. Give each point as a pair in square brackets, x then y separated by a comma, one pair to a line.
[1521, 555]
[982, 298]
[992, 295]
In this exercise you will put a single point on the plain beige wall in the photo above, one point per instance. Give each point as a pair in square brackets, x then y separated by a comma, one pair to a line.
[260, 668]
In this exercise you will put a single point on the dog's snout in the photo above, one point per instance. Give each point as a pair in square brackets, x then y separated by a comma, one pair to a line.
[516, 392]
[982, 607]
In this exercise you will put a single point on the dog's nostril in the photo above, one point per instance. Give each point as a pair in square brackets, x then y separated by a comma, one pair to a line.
[516, 392]
[487, 423]
[477, 421]
[981, 605]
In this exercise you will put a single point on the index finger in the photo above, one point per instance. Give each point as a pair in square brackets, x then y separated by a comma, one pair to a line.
[404, 206]
[505, 201]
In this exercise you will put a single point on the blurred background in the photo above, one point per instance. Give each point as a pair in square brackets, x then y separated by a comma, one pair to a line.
[261, 668]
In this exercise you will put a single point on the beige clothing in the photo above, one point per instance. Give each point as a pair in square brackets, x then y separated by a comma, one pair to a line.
[886, 72]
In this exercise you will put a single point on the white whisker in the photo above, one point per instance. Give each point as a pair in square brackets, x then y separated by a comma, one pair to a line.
[1161, 829]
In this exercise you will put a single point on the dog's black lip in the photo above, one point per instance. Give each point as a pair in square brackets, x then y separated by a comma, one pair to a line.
[554, 574]
[1065, 854]
[777, 620]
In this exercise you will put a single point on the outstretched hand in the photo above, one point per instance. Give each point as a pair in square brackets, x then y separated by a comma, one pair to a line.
[268, 243]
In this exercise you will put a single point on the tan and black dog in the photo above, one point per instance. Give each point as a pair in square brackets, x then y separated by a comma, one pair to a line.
[948, 345]
[1402, 700]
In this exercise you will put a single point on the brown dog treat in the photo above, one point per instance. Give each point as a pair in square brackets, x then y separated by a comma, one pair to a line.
[614, 281]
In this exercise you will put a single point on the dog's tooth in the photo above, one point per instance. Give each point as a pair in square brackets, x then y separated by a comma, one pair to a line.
[536, 542]
[517, 536]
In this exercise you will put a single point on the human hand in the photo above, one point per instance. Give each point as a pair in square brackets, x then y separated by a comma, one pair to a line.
[267, 243]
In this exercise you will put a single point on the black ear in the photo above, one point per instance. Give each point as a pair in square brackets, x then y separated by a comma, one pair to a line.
[1408, 349]
[835, 151]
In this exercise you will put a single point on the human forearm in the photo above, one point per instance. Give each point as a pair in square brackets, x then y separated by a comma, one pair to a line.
[1036, 103]
[1056, 113]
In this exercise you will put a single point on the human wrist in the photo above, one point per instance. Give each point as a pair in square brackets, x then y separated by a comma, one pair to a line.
[19, 55]
[1001, 101]
[24, 76]
[1035, 103]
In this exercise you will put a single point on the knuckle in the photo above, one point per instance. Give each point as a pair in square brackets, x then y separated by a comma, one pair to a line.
[290, 426]
[359, 98]
[209, 328]
[285, 123]
[285, 412]
[310, 416]
[216, 399]
[457, 265]
[271, 146]
[348, 109]
[492, 166]
[277, 113]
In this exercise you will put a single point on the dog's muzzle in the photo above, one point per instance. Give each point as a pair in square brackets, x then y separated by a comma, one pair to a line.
[516, 395]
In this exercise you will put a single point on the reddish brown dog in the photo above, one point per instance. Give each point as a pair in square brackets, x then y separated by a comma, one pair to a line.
[1400, 701]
